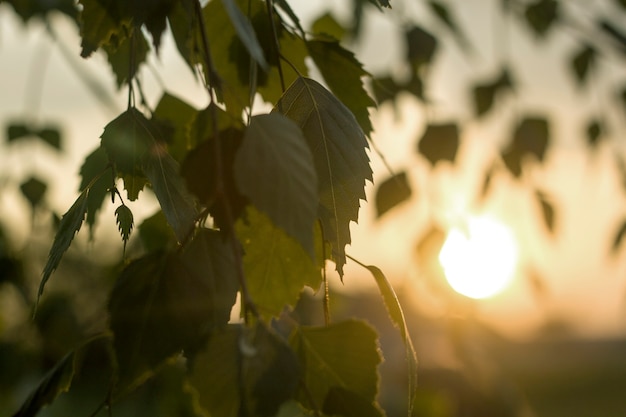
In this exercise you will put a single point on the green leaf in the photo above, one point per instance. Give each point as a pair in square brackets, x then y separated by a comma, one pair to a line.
[343, 354]
[18, 131]
[343, 72]
[594, 132]
[50, 135]
[541, 15]
[156, 234]
[394, 308]
[439, 142]
[245, 31]
[391, 192]
[33, 190]
[184, 27]
[99, 20]
[125, 223]
[180, 117]
[421, 46]
[343, 402]
[276, 267]
[119, 55]
[57, 381]
[274, 169]
[70, 225]
[245, 372]
[327, 25]
[582, 62]
[339, 153]
[166, 302]
[294, 409]
[94, 177]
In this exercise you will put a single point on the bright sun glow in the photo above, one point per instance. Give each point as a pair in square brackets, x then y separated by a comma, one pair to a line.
[479, 262]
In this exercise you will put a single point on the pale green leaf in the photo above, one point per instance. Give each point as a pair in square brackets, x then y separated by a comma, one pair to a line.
[276, 267]
[244, 372]
[339, 152]
[69, 226]
[274, 169]
[245, 31]
[125, 223]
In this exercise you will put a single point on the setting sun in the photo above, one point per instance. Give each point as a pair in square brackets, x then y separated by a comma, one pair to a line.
[479, 261]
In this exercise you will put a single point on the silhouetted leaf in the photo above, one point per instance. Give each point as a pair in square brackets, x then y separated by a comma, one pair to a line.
[343, 72]
[55, 382]
[274, 169]
[547, 211]
[184, 28]
[512, 158]
[619, 237]
[541, 15]
[70, 225]
[33, 190]
[594, 132]
[125, 223]
[582, 62]
[343, 354]
[276, 267]
[155, 233]
[94, 177]
[245, 372]
[327, 25]
[18, 131]
[421, 46]
[50, 135]
[439, 142]
[246, 33]
[622, 96]
[532, 136]
[338, 146]
[391, 192]
[485, 94]
[447, 18]
[621, 3]
[614, 32]
[99, 21]
[119, 55]
[397, 317]
[343, 402]
[180, 116]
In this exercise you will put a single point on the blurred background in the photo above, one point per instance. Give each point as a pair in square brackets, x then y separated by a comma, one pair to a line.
[497, 210]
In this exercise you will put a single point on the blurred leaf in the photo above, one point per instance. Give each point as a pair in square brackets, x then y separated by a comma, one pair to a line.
[582, 62]
[199, 171]
[246, 33]
[512, 158]
[33, 190]
[444, 14]
[430, 244]
[621, 3]
[622, 96]
[391, 192]
[594, 132]
[619, 237]
[276, 267]
[285, 7]
[274, 169]
[55, 382]
[70, 225]
[18, 131]
[343, 402]
[547, 211]
[614, 32]
[51, 136]
[181, 117]
[532, 136]
[155, 233]
[94, 166]
[292, 408]
[339, 153]
[394, 308]
[439, 142]
[119, 52]
[343, 354]
[343, 72]
[541, 15]
[485, 94]
[245, 372]
[125, 223]
[28, 9]
[184, 28]
[326, 24]
[421, 46]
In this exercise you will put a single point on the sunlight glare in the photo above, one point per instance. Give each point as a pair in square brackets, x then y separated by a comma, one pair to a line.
[480, 261]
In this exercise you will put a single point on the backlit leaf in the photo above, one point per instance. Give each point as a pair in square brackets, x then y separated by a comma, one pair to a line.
[343, 72]
[547, 211]
[50, 135]
[184, 28]
[339, 153]
[594, 132]
[70, 225]
[125, 222]
[619, 237]
[582, 62]
[180, 116]
[447, 18]
[17, 131]
[327, 25]
[33, 190]
[421, 46]
[615, 32]
[343, 402]
[485, 94]
[391, 192]
[245, 31]
[343, 354]
[119, 55]
[439, 142]
[93, 175]
[155, 233]
[276, 267]
[532, 136]
[274, 169]
[244, 372]
[541, 15]
[99, 20]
